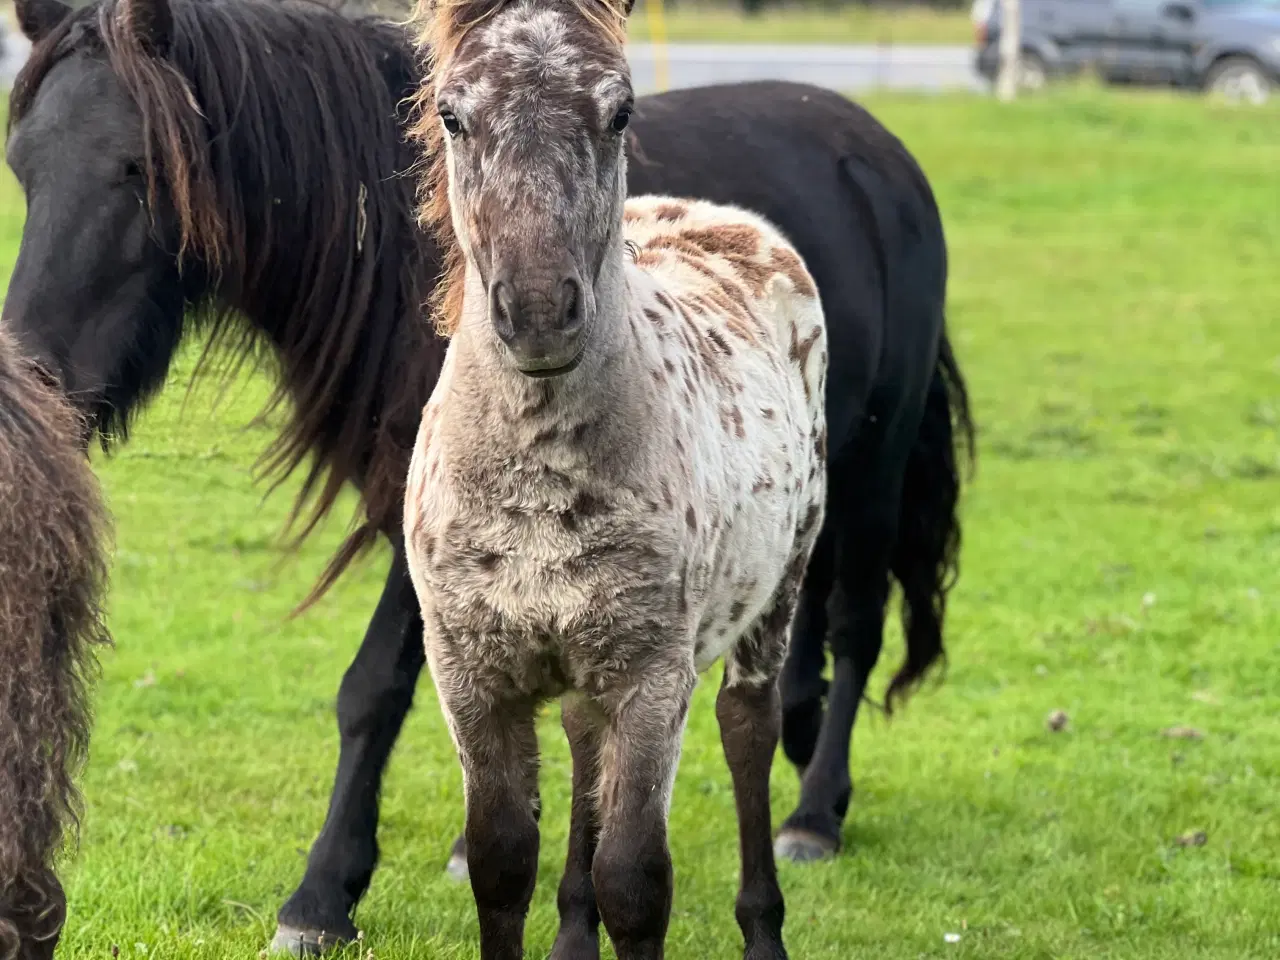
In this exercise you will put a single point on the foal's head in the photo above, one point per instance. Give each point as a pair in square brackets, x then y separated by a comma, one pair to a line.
[532, 98]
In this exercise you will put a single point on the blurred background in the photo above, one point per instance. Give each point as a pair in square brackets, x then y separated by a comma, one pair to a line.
[1114, 236]
[1231, 47]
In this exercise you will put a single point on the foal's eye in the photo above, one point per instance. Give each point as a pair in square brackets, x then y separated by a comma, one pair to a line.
[452, 125]
[133, 170]
[620, 120]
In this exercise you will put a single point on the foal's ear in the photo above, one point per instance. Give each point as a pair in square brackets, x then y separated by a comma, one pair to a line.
[627, 7]
[150, 21]
[38, 17]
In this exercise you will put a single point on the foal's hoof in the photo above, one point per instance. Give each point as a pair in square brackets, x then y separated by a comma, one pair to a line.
[457, 868]
[294, 942]
[801, 846]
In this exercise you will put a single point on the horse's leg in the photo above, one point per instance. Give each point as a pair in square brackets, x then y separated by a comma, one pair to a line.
[801, 684]
[579, 936]
[750, 718]
[856, 609]
[498, 746]
[631, 871]
[374, 698]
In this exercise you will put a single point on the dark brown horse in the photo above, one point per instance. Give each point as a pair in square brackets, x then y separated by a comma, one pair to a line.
[239, 168]
[53, 564]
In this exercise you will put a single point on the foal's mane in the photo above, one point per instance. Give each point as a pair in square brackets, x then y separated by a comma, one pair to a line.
[282, 155]
[442, 25]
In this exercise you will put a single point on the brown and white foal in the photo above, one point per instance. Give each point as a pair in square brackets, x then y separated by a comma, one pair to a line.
[618, 479]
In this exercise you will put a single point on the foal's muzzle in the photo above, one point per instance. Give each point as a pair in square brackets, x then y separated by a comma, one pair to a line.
[541, 317]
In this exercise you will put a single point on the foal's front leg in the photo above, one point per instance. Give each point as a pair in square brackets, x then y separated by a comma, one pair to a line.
[579, 936]
[631, 870]
[498, 747]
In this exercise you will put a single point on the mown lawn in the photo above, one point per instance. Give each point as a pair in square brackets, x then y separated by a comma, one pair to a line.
[804, 23]
[1115, 303]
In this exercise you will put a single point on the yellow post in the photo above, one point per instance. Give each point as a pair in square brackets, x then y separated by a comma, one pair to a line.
[658, 37]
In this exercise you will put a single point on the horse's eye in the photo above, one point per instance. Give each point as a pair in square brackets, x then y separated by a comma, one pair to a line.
[452, 125]
[620, 120]
[133, 170]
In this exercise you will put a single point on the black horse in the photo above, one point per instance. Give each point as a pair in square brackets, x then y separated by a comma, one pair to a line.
[240, 168]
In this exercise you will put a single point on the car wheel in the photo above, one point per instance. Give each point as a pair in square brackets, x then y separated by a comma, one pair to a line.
[1239, 80]
[1033, 75]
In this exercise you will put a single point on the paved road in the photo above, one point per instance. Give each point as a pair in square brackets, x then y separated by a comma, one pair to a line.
[846, 68]
[850, 68]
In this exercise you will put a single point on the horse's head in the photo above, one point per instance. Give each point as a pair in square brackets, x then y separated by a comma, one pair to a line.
[97, 295]
[531, 100]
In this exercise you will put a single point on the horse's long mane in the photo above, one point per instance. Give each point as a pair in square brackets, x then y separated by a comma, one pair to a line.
[283, 160]
[442, 25]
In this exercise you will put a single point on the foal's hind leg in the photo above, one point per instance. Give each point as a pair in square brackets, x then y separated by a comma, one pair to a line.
[749, 711]
[579, 936]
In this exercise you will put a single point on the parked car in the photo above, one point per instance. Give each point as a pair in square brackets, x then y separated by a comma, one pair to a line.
[1229, 47]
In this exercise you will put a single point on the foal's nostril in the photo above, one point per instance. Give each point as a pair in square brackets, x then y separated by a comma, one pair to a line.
[570, 305]
[503, 309]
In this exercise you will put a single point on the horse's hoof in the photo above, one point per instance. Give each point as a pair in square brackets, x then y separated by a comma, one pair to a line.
[294, 942]
[802, 846]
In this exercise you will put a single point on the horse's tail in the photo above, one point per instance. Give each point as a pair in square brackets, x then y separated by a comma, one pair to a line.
[925, 559]
[53, 567]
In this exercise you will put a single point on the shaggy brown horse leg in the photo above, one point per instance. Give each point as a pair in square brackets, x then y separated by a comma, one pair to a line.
[579, 936]
[631, 871]
[750, 717]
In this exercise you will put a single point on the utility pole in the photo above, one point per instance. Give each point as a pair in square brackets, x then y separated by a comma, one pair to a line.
[1010, 49]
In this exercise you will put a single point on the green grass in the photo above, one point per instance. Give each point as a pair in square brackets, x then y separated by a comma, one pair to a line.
[1114, 302]
[848, 23]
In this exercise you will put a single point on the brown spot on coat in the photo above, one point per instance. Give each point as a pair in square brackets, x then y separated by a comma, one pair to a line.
[726, 240]
[691, 518]
[670, 212]
[790, 266]
[800, 349]
[718, 339]
[810, 518]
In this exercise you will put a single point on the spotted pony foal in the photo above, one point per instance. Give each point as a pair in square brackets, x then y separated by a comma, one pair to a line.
[618, 478]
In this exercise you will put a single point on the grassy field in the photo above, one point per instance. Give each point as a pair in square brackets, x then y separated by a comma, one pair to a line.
[1115, 304]
[815, 24]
